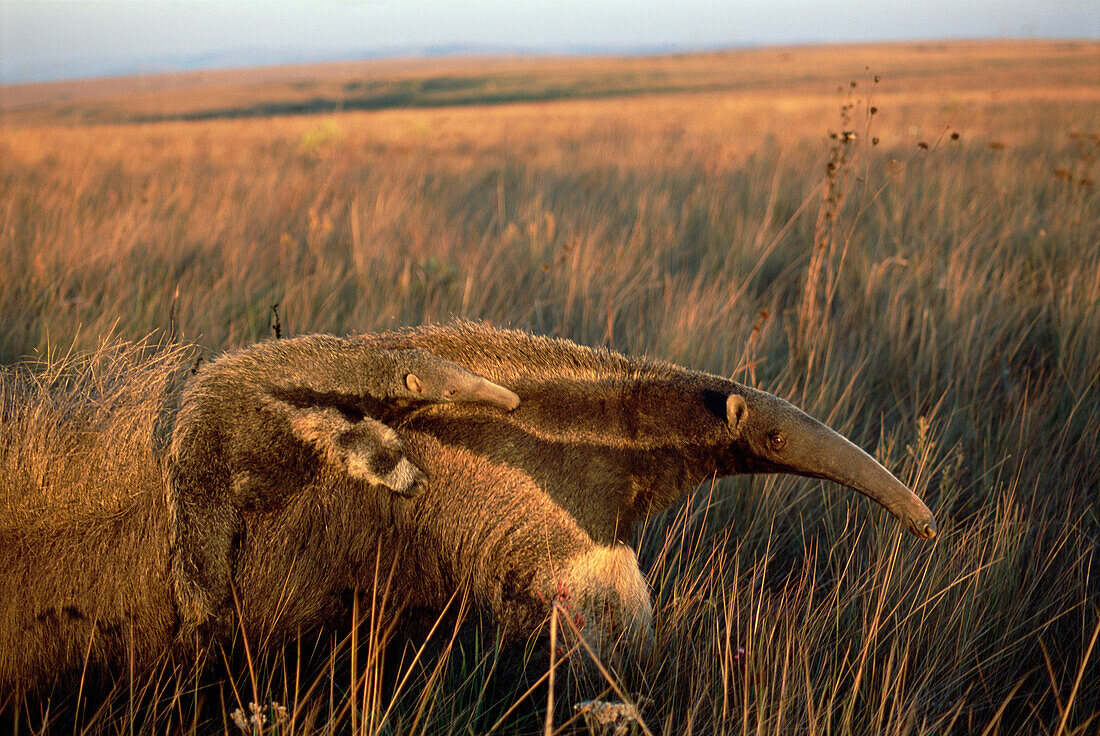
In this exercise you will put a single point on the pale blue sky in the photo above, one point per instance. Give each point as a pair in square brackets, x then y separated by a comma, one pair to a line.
[44, 39]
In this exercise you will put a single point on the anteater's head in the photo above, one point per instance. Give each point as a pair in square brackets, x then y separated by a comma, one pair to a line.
[733, 429]
[769, 435]
[427, 377]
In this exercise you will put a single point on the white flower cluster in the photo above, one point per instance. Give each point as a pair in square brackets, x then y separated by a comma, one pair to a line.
[255, 722]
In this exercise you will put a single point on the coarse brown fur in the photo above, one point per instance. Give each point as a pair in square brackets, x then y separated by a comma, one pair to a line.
[83, 524]
[257, 425]
[612, 439]
[524, 508]
[600, 441]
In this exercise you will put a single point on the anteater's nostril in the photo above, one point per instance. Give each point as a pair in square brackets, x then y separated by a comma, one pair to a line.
[929, 531]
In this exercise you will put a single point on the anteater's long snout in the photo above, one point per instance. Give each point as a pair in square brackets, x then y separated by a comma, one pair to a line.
[778, 437]
[843, 462]
[877, 483]
[788, 440]
[487, 392]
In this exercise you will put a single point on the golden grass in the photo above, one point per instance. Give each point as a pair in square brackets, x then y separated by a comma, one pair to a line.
[942, 309]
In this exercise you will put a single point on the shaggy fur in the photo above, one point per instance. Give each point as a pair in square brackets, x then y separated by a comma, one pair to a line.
[257, 425]
[612, 439]
[524, 507]
[83, 523]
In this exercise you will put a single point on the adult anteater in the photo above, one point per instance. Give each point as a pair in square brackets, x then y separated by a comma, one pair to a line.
[520, 506]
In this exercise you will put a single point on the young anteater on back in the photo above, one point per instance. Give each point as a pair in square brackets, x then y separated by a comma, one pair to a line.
[256, 425]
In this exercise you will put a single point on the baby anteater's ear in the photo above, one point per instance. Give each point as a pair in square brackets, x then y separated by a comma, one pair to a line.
[414, 384]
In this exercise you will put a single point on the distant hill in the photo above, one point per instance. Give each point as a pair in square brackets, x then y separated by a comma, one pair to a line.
[107, 66]
[448, 76]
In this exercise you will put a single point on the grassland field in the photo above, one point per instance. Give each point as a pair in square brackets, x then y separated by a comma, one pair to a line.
[902, 239]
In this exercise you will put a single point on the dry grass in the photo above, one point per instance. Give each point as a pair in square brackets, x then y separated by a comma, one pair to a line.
[940, 305]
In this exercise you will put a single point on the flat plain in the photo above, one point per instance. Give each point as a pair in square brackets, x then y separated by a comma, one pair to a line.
[902, 239]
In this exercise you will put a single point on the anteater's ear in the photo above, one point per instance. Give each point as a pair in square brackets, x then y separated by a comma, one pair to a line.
[415, 384]
[737, 410]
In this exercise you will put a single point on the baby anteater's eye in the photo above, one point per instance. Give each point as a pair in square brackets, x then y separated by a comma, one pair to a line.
[777, 441]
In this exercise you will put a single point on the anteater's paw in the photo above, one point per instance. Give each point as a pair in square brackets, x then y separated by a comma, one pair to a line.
[606, 598]
[387, 467]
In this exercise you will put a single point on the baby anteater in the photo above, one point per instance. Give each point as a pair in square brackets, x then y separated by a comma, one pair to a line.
[257, 424]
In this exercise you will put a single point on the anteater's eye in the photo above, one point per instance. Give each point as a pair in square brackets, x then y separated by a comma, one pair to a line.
[777, 441]
[449, 393]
